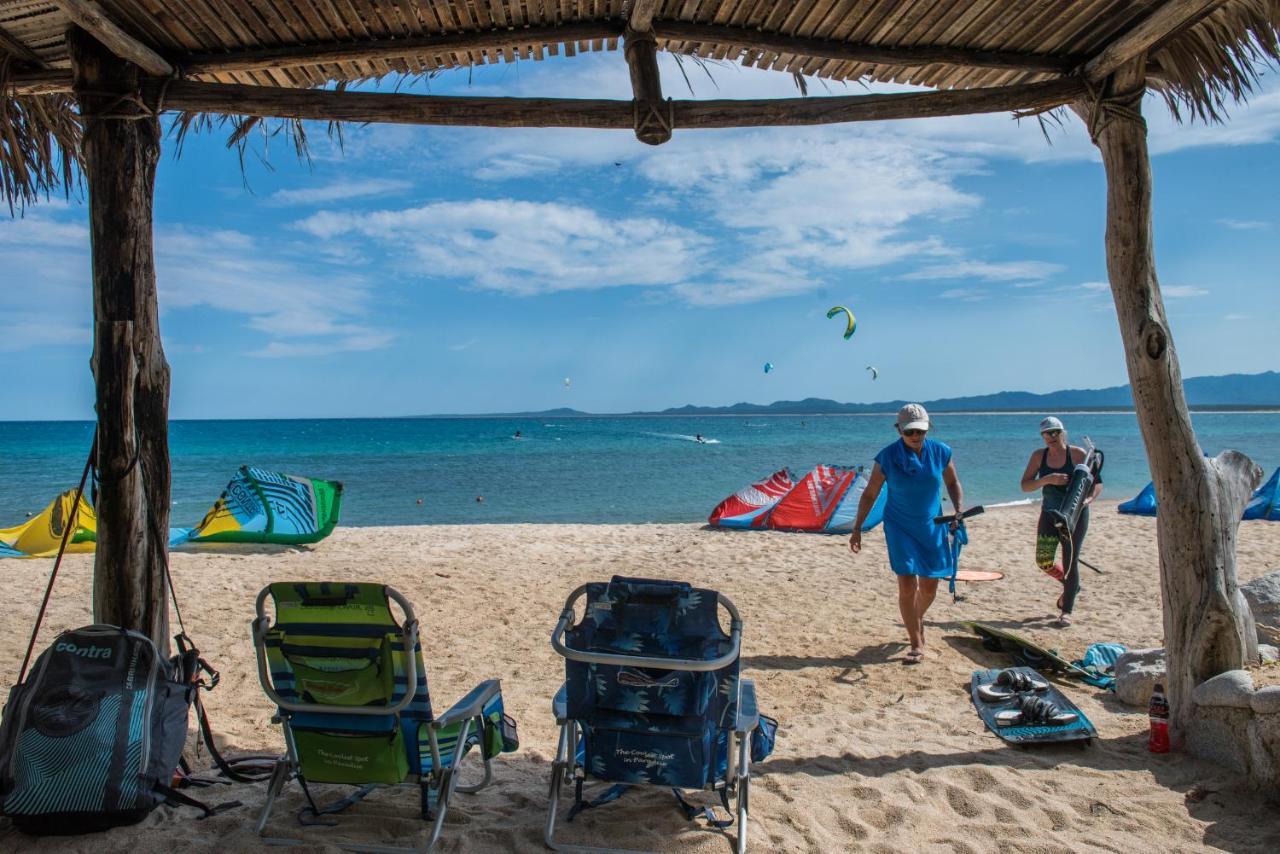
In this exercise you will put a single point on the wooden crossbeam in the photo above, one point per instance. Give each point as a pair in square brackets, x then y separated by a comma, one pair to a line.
[397, 108]
[10, 45]
[1160, 24]
[916, 55]
[91, 18]
[46, 82]
[293, 56]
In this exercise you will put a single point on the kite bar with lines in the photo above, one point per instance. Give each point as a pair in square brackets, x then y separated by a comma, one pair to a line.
[972, 511]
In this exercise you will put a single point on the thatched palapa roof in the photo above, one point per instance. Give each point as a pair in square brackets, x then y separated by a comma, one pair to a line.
[251, 56]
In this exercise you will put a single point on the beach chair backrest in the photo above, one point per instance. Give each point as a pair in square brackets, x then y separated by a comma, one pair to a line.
[650, 723]
[339, 645]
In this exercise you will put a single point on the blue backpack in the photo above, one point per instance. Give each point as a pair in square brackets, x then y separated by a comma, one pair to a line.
[91, 738]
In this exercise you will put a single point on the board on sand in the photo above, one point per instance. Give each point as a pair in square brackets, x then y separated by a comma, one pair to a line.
[1024, 651]
[1081, 729]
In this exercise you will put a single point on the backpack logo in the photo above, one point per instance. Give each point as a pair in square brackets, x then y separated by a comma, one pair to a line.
[90, 651]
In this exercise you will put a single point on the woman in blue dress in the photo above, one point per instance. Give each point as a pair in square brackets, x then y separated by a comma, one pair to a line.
[915, 468]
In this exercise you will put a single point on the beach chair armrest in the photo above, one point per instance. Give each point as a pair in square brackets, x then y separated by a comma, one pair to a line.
[560, 703]
[470, 706]
[748, 712]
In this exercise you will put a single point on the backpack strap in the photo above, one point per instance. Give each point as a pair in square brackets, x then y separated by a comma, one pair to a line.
[173, 796]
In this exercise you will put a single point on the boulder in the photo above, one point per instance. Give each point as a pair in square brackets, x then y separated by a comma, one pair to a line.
[1266, 701]
[1263, 596]
[1267, 652]
[1230, 690]
[1137, 672]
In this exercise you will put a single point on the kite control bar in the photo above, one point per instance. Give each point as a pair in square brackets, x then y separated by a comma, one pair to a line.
[972, 511]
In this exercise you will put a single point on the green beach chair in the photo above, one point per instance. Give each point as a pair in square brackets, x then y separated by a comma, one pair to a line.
[355, 707]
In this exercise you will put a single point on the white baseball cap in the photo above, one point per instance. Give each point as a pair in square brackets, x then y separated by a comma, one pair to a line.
[913, 417]
[1051, 423]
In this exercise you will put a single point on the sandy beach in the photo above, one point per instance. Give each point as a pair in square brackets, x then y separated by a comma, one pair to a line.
[871, 756]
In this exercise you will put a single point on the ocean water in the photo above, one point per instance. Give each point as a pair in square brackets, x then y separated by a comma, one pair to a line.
[592, 470]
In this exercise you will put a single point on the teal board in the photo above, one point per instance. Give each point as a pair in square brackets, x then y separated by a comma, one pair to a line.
[1080, 729]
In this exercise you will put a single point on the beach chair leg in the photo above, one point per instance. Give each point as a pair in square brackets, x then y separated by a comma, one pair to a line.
[279, 776]
[743, 790]
[559, 774]
[472, 788]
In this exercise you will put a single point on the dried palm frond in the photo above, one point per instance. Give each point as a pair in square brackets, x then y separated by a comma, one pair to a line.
[39, 144]
[1217, 61]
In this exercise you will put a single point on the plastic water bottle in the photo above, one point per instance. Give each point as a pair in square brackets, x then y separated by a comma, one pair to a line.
[1158, 711]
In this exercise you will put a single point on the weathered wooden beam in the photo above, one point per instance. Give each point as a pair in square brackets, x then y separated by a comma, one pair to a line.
[48, 82]
[653, 116]
[293, 56]
[1207, 626]
[119, 154]
[640, 17]
[908, 56]
[1164, 21]
[397, 108]
[9, 44]
[92, 18]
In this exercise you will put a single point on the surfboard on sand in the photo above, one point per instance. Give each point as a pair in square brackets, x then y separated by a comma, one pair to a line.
[1080, 729]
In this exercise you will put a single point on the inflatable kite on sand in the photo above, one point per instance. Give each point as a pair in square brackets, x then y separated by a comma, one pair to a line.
[256, 507]
[825, 500]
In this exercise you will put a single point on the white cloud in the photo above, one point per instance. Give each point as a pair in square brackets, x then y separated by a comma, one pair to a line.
[340, 191]
[1181, 291]
[517, 166]
[524, 248]
[465, 345]
[1096, 286]
[966, 294]
[283, 293]
[1245, 224]
[1236, 317]
[988, 271]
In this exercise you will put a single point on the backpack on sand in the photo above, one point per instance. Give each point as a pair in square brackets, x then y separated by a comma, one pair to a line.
[90, 739]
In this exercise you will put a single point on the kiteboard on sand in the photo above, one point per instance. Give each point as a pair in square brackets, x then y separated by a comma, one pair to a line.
[1027, 709]
[1024, 651]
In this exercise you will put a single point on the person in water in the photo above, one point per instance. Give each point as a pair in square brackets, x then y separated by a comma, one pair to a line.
[1049, 470]
[517, 435]
[915, 468]
[699, 438]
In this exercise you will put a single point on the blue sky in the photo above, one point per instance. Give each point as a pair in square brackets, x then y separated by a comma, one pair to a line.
[442, 270]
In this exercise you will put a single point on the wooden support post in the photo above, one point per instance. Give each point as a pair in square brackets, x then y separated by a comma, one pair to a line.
[653, 116]
[120, 149]
[1208, 628]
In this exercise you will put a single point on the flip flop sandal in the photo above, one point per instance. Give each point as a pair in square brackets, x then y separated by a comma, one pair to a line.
[1008, 684]
[913, 657]
[1033, 711]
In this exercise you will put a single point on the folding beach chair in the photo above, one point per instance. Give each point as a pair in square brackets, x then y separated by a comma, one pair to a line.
[355, 707]
[652, 697]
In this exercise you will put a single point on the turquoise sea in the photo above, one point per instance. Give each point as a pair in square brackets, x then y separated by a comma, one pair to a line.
[594, 470]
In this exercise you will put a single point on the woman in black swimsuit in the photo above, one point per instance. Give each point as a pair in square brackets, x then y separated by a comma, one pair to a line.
[1049, 470]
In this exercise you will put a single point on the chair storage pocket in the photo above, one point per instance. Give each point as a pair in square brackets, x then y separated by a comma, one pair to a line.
[637, 756]
[645, 690]
[357, 758]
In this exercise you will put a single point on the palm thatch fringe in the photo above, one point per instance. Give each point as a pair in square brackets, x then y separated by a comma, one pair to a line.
[1217, 61]
[39, 145]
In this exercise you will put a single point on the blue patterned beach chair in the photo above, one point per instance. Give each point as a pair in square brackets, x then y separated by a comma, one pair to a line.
[351, 690]
[652, 697]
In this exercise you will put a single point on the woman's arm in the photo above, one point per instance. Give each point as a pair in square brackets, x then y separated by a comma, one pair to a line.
[954, 489]
[868, 500]
[1030, 483]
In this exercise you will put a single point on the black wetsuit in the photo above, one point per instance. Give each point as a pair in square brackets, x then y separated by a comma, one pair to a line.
[1047, 537]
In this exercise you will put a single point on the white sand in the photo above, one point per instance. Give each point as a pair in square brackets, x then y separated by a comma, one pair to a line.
[872, 756]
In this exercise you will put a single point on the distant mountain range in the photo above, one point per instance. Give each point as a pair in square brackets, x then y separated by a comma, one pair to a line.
[1230, 391]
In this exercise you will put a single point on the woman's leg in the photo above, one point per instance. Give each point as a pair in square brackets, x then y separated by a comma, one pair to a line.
[926, 590]
[1071, 581]
[907, 587]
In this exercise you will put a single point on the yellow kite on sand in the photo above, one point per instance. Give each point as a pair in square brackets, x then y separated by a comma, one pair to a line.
[41, 535]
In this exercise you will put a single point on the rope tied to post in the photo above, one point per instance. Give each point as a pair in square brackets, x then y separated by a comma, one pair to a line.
[129, 106]
[653, 117]
[1105, 109]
